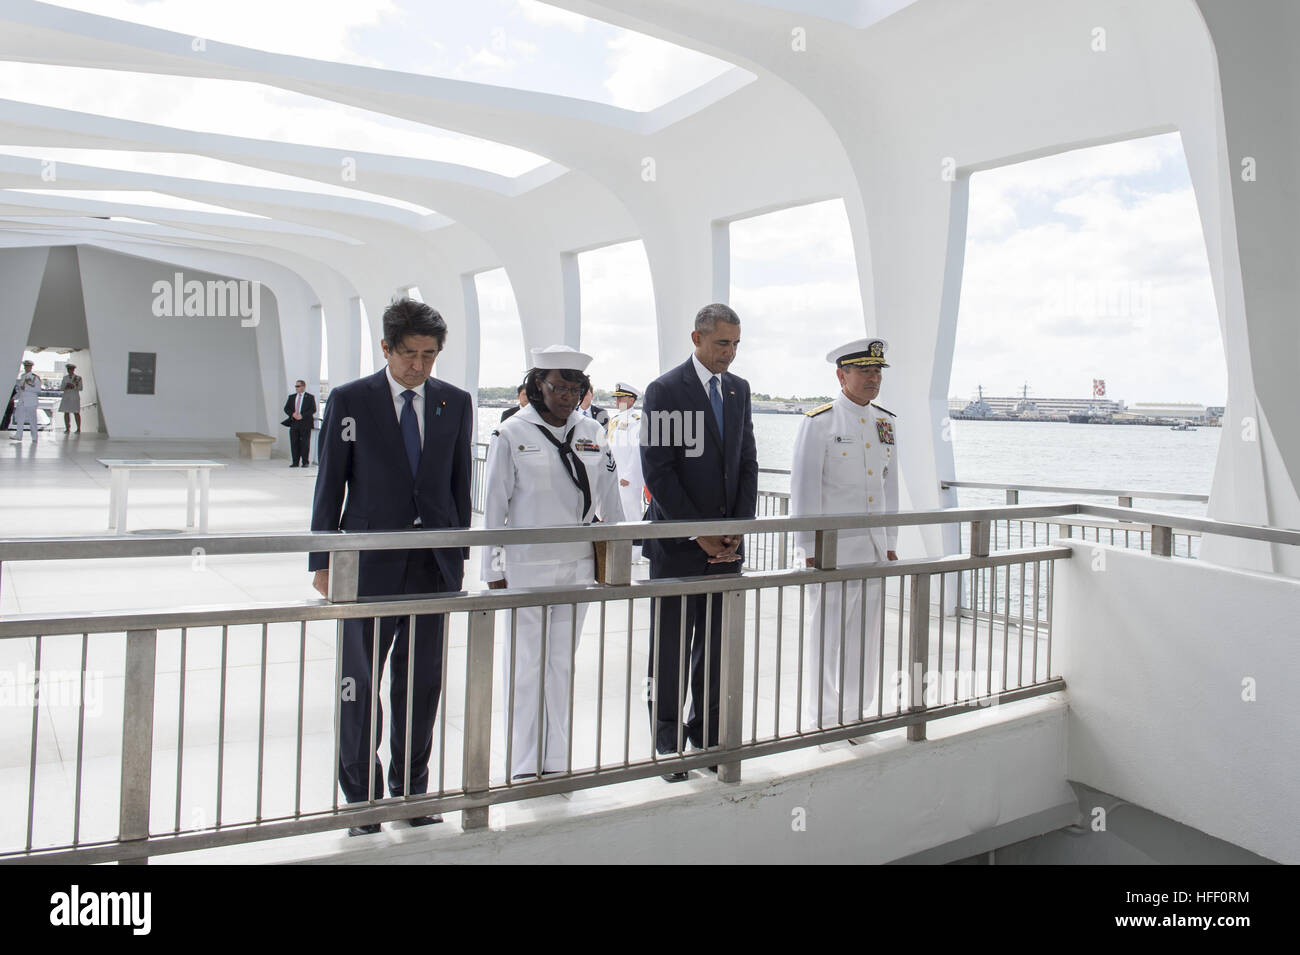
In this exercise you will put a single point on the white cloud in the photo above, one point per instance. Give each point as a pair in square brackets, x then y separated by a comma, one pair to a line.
[646, 72]
[322, 29]
[254, 111]
[1110, 281]
[548, 16]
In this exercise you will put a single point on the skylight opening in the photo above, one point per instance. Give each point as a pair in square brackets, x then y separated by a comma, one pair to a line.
[184, 166]
[253, 111]
[522, 44]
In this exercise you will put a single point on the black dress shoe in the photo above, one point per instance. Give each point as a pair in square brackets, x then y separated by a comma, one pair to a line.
[367, 830]
[433, 820]
[676, 777]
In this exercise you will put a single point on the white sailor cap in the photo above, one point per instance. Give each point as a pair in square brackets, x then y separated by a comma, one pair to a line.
[624, 390]
[560, 356]
[864, 352]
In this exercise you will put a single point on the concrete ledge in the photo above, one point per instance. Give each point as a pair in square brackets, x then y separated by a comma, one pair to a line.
[988, 777]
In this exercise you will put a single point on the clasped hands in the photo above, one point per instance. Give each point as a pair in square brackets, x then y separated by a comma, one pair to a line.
[722, 549]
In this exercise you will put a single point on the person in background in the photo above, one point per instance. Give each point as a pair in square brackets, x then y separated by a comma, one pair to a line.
[596, 412]
[28, 391]
[521, 396]
[70, 403]
[624, 436]
[301, 409]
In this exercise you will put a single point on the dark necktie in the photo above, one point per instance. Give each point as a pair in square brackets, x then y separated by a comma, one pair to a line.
[715, 399]
[576, 470]
[410, 431]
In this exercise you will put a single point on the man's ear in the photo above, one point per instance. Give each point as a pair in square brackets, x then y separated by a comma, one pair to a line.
[695, 339]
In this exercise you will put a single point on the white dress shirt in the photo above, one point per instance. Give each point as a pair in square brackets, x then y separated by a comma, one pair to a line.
[399, 402]
[705, 375]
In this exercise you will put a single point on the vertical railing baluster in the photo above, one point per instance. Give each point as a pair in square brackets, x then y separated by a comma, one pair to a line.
[731, 683]
[476, 772]
[919, 640]
[137, 738]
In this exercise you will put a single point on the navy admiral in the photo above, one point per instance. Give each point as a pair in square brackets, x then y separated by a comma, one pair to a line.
[846, 462]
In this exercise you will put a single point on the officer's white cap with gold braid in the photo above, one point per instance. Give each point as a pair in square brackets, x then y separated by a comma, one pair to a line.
[623, 390]
[863, 352]
[560, 356]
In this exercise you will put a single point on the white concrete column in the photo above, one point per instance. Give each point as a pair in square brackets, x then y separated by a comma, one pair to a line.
[1259, 455]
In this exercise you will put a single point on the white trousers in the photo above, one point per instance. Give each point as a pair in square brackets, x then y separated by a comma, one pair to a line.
[543, 675]
[834, 668]
[25, 416]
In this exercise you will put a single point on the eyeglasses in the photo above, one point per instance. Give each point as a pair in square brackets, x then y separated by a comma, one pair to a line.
[568, 391]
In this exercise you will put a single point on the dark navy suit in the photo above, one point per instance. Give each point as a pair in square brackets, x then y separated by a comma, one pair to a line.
[721, 481]
[365, 484]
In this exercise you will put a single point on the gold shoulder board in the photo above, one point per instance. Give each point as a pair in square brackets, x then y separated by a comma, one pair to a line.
[819, 409]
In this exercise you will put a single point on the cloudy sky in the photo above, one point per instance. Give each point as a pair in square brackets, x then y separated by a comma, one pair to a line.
[1081, 266]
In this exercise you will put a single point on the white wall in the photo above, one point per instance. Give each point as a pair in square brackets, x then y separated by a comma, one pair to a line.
[1154, 652]
[21, 271]
[209, 384]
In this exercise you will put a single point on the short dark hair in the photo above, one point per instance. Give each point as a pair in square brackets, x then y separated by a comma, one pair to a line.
[300, 382]
[523, 386]
[709, 316]
[406, 316]
[533, 383]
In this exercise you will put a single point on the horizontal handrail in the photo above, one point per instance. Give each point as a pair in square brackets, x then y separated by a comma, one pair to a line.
[182, 545]
[1206, 525]
[21, 625]
[1094, 491]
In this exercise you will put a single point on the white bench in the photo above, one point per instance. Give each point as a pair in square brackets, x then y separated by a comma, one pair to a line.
[255, 445]
[120, 469]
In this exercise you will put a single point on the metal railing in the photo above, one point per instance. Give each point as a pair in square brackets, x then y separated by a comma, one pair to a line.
[229, 727]
[1120, 533]
[229, 723]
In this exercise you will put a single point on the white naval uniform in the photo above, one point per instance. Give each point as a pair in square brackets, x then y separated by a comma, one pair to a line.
[624, 436]
[529, 486]
[845, 461]
[29, 391]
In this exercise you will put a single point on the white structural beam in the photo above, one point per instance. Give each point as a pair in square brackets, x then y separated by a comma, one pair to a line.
[938, 89]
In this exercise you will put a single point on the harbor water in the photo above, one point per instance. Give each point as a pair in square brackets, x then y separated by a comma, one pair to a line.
[1142, 458]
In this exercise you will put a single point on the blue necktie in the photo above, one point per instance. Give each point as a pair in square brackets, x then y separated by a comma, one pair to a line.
[715, 399]
[410, 431]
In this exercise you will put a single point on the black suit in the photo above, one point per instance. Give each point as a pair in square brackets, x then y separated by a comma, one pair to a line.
[362, 454]
[720, 481]
[509, 411]
[300, 430]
